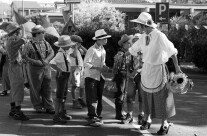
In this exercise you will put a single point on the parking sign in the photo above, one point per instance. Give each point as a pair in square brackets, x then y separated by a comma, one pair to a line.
[162, 12]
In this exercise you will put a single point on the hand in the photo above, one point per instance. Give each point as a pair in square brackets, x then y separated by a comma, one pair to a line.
[104, 69]
[132, 75]
[118, 56]
[45, 62]
[178, 70]
[24, 56]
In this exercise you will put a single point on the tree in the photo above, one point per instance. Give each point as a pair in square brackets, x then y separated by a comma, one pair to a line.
[96, 15]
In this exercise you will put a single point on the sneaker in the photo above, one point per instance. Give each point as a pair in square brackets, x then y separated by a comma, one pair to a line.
[39, 110]
[122, 117]
[58, 119]
[65, 116]
[76, 104]
[101, 120]
[20, 116]
[140, 119]
[127, 120]
[81, 101]
[94, 122]
[50, 111]
[4, 93]
[12, 113]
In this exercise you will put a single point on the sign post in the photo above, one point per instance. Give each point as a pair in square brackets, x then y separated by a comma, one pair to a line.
[162, 12]
[71, 4]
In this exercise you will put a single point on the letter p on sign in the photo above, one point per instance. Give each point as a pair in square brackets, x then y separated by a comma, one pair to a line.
[162, 8]
[162, 12]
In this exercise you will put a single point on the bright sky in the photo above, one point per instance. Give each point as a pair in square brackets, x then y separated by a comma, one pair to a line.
[39, 1]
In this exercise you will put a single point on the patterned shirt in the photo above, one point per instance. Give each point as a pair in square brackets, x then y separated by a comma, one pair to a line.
[138, 62]
[13, 48]
[41, 48]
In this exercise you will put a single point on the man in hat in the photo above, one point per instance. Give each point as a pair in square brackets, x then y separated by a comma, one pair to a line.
[77, 79]
[38, 54]
[94, 63]
[61, 64]
[157, 49]
[13, 47]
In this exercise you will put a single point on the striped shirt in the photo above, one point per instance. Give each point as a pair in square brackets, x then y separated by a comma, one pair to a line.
[13, 49]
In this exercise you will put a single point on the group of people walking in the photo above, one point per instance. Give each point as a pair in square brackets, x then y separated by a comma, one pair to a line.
[139, 67]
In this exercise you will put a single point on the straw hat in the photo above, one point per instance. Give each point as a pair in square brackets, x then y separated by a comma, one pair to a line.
[124, 38]
[101, 34]
[145, 19]
[38, 29]
[64, 41]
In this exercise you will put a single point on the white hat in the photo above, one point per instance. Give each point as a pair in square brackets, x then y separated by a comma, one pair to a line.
[101, 34]
[64, 41]
[145, 19]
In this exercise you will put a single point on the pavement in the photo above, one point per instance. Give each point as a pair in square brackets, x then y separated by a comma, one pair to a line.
[190, 120]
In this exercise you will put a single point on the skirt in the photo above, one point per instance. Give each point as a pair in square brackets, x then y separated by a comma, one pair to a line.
[160, 104]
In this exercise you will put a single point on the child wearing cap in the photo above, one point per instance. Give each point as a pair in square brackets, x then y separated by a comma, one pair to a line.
[76, 77]
[62, 65]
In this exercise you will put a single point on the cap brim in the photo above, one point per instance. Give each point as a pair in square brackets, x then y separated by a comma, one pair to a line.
[105, 37]
[136, 21]
[67, 45]
[40, 31]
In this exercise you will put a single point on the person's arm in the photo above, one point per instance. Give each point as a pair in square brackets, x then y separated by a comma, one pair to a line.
[175, 61]
[51, 54]
[88, 60]
[83, 50]
[55, 67]
[2, 50]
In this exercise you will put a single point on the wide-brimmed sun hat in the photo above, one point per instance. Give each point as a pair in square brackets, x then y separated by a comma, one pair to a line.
[64, 41]
[101, 34]
[12, 28]
[124, 38]
[38, 29]
[145, 19]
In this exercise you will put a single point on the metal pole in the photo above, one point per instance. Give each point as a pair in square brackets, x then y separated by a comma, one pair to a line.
[22, 7]
[2, 11]
[72, 8]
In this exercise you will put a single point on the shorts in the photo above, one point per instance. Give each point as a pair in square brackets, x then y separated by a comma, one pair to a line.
[77, 78]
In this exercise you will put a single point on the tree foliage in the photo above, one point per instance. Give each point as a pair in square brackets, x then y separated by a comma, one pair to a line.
[98, 15]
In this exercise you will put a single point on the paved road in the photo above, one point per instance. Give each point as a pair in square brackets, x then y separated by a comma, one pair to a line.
[190, 120]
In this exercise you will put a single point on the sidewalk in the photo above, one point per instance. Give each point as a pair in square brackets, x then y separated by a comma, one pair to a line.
[190, 120]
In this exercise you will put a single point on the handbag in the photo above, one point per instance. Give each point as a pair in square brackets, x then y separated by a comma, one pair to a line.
[178, 83]
[110, 88]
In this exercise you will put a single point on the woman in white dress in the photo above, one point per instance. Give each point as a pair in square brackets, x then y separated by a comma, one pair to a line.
[158, 101]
